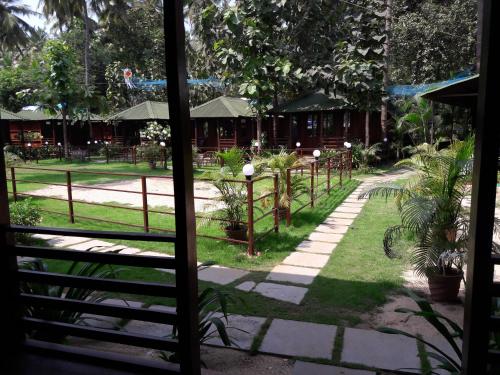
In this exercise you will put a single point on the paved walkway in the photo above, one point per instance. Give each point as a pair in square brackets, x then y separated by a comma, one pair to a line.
[288, 281]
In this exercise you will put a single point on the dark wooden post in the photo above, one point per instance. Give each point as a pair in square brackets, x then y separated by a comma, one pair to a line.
[14, 184]
[11, 311]
[145, 212]
[341, 167]
[107, 153]
[250, 250]
[134, 155]
[186, 275]
[70, 198]
[480, 287]
[276, 204]
[328, 165]
[312, 184]
[289, 194]
[350, 163]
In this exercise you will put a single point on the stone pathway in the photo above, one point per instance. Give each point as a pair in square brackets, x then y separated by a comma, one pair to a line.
[214, 274]
[302, 266]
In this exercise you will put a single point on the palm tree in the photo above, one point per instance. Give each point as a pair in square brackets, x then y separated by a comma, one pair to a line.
[65, 11]
[14, 31]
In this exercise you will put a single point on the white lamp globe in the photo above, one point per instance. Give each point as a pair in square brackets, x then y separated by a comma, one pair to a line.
[59, 144]
[88, 142]
[297, 144]
[29, 144]
[316, 153]
[106, 142]
[385, 139]
[162, 144]
[248, 170]
[95, 141]
[256, 144]
[347, 145]
[46, 143]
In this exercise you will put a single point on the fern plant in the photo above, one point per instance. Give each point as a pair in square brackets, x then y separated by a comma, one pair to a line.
[431, 207]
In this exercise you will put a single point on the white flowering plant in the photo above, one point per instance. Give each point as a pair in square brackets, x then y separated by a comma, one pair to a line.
[155, 132]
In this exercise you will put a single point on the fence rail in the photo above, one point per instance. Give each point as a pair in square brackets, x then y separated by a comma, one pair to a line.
[304, 186]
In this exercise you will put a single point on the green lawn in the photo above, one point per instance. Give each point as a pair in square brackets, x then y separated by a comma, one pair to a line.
[358, 277]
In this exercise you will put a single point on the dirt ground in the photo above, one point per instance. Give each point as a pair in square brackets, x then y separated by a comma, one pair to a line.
[133, 197]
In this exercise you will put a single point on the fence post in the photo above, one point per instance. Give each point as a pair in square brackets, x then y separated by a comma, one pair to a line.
[107, 154]
[134, 155]
[250, 250]
[341, 167]
[145, 203]
[70, 198]
[289, 194]
[276, 204]
[312, 184]
[14, 185]
[328, 165]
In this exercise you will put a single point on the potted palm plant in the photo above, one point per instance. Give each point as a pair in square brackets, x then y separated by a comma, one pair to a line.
[279, 163]
[431, 210]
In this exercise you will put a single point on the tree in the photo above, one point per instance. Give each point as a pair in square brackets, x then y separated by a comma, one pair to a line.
[252, 53]
[61, 91]
[14, 31]
[432, 40]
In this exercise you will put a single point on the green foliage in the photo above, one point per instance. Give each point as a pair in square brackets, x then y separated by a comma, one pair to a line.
[364, 158]
[431, 40]
[11, 159]
[94, 270]
[232, 159]
[279, 163]
[14, 30]
[448, 329]
[150, 152]
[24, 212]
[431, 207]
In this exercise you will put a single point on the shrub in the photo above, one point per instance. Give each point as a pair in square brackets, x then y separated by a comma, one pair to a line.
[24, 212]
[11, 159]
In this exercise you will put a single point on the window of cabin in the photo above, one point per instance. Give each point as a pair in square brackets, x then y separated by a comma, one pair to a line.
[328, 125]
[226, 129]
[312, 125]
[204, 129]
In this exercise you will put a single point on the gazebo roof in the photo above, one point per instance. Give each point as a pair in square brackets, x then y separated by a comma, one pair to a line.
[8, 115]
[147, 111]
[34, 115]
[462, 93]
[315, 101]
[223, 107]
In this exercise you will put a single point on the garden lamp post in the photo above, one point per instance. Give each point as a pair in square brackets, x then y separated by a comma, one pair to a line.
[30, 153]
[298, 147]
[164, 152]
[248, 171]
[59, 146]
[317, 154]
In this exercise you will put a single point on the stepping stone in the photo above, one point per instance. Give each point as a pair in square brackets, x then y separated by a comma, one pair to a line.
[342, 215]
[45, 236]
[332, 228]
[130, 251]
[338, 221]
[246, 286]
[94, 245]
[301, 339]
[240, 329]
[163, 308]
[221, 275]
[325, 237]
[286, 293]
[375, 349]
[353, 204]
[292, 274]
[348, 209]
[306, 260]
[316, 247]
[301, 368]
[148, 328]
[64, 241]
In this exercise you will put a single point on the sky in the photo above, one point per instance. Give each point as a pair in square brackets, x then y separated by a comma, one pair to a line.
[34, 20]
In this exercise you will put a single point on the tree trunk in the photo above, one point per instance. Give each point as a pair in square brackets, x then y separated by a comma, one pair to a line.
[383, 111]
[275, 119]
[367, 129]
[259, 132]
[64, 113]
[347, 122]
[86, 58]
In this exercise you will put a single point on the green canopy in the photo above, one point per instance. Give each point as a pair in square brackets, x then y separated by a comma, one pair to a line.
[7, 115]
[146, 111]
[315, 101]
[223, 107]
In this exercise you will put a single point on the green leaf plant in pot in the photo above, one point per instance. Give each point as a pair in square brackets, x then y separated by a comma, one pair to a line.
[232, 196]
[432, 212]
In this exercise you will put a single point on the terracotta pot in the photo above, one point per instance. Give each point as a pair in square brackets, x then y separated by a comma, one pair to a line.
[239, 233]
[444, 288]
